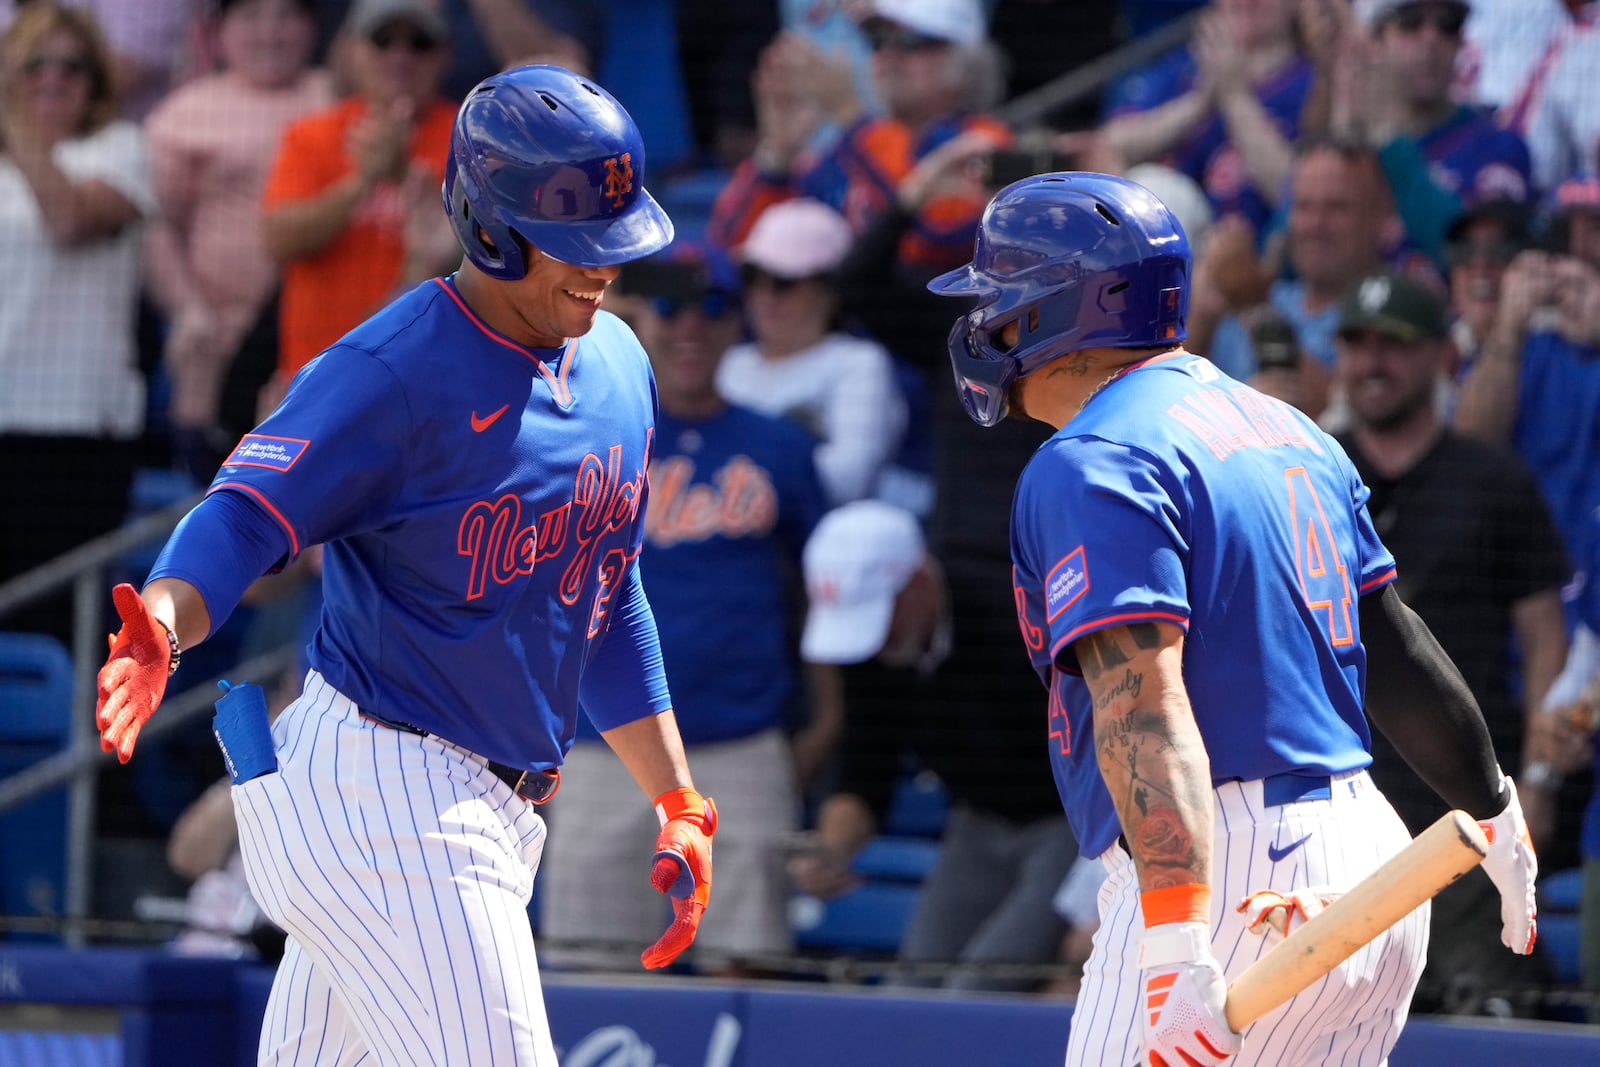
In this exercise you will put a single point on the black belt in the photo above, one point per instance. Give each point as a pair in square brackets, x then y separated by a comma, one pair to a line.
[534, 786]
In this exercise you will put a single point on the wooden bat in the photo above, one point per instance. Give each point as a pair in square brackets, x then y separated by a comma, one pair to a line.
[1439, 855]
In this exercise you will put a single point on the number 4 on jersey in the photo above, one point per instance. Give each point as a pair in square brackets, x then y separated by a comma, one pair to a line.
[1324, 579]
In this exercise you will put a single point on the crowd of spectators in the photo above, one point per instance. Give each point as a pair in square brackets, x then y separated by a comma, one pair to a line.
[1395, 206]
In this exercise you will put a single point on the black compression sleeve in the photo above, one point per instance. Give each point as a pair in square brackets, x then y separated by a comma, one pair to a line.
[1418, 698]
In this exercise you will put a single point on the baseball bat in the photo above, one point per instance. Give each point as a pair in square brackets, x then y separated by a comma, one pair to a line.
[1439, 855]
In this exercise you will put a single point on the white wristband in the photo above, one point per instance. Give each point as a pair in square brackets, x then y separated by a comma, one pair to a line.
[1174, 943]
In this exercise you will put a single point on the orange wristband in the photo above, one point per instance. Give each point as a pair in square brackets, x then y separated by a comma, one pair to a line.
[676, 803]
[1187, 903]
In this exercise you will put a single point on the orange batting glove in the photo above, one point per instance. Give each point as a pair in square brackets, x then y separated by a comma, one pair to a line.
[682, 868]
[1283, 912]
[131, 684]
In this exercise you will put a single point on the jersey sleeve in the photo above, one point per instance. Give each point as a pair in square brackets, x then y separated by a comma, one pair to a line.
[329, 462]
[1098, 524]
[1376, 562]
[625, 679]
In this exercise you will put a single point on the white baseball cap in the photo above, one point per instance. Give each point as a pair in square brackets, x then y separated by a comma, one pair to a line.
[366, 16]
[797, 239]
[1371, 12]
[858, 559]
[957, 21]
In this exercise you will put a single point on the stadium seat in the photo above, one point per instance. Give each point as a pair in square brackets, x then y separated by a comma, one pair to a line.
[919, 807]
[36, 693]
[888, 858]
[872, 918]
[869, 919]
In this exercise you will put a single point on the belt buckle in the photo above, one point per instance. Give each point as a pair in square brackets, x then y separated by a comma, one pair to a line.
[537, 787]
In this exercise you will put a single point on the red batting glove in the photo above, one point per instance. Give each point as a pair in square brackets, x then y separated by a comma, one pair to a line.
[1283, 912]
[134, 679]
[682, 868]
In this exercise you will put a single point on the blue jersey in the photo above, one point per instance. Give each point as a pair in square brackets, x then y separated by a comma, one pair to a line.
[482, 505]
[1555, 428]
[1205, 153]
[1178, 495]
[732, 500]
[1470, 155]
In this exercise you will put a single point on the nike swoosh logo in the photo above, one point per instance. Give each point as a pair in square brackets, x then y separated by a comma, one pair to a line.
[480, 425]
[1276, 854]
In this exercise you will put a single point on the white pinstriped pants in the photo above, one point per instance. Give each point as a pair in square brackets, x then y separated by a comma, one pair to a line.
[1352, 1016]
[401, 869]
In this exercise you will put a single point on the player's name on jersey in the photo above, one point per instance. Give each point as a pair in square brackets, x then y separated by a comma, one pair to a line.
[1228, 420]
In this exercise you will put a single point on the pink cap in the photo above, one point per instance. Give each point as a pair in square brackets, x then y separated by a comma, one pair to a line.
[797, 239]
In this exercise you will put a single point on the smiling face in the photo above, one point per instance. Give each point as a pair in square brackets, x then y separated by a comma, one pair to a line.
[268, 42]
[1336, 218]
[555, 300]
[400, 60]
[915, 77]
[54, 83]
[1389, 382]
[1419, 44]
[686, 340]
[788, 314]
[1478, 259]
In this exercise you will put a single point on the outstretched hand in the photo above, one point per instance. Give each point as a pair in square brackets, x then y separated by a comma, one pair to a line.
[134, 678]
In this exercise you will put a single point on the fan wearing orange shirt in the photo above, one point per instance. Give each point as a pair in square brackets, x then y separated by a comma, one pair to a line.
[933, 69]
[352, 205]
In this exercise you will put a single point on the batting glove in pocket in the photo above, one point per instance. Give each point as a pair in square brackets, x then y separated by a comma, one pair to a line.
[134, 678]
[1513, 867]
[1185, 994]
[682, 869]
[1270, 910]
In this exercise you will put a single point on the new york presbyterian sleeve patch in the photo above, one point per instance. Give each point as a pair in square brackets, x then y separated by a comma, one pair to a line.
[1068, 580]
[262, 450]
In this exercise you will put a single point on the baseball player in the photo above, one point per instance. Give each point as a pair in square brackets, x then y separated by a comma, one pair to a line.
[473, 458]
[1195, 573]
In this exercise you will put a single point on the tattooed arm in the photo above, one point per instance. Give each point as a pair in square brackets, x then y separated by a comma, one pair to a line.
[1150, 752]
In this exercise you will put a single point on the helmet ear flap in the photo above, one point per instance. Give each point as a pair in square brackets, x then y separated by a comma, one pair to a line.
[490, 246]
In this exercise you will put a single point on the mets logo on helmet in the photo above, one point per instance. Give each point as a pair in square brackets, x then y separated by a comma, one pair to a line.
[619, 178]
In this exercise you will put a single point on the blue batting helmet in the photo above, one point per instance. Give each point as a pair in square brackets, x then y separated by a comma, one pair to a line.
[540, 153]
[1078, 260]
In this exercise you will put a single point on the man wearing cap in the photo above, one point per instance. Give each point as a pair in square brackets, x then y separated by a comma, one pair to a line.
[351, 208]
[934, 71]
[1409, 111]
[1481, 561]
[879, 605]
[1479, 245]
[733, 497]
[1535, 383]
